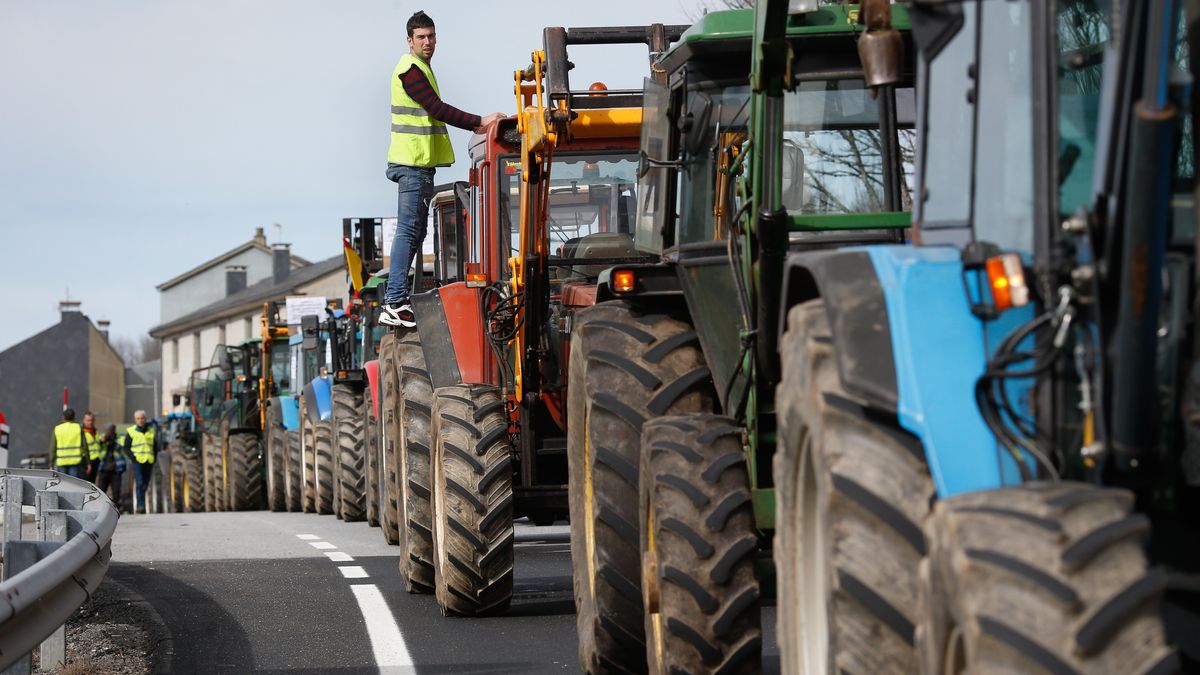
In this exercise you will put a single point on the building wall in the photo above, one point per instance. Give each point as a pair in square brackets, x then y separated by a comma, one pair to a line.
[208, 286]
[106, 381]
[32, 376]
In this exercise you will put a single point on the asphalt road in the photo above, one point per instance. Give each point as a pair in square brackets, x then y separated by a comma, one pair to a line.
[262, 592]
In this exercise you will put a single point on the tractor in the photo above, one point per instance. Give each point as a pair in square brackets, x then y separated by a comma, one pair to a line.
[1013, 438]
[279, 410]
[226, 401]
[182, 441]
[474, 399]
[766, 141]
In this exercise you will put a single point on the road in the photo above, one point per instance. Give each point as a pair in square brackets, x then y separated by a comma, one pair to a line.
[262, 591]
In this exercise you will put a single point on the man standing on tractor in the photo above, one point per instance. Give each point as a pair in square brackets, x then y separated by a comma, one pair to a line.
[140, 442]
[89, 435]
[419, 144]
[68, 447]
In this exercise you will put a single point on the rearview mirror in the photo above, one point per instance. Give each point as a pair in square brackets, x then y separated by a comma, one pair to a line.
[310, 328]
[695, 123]
[176, 399]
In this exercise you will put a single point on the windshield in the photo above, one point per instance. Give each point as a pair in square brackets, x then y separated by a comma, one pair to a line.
[590, 193]
[831, 138]
[280, 369]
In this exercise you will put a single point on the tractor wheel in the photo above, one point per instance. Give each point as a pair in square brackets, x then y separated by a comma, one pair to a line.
[177, 473]
[276, 453]
[389, 429]
[193, 484]
[370, 457]
[348, 422]
[852, 490]
[415, 472]
[292, 480]
[1040, 578]
[473, 501]
[626, 367]
[698, 548]
[323, 435]
[244, 471]
[308, 467]
[215, 470]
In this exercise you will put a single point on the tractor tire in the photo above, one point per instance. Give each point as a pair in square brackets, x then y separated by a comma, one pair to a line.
[276, 453]
[192, 492]
[415, 470]
[292, 480]
[1040, 578]
[389, 430]
[699, 547]
[473, 501]
[351, 457]
[323, 435]
[177, 473]
[852, 489]
[370, 457]
[244, 470]
[214, 470]
[308, 468]
[626, 367]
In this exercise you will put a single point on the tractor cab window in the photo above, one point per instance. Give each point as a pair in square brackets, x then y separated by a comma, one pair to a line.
[593, 197]
[1083, 33]
[832, 155]
[717, 120]
[280, 371]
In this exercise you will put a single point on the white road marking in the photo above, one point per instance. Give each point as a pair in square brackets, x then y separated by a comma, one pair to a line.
[338, 556]
[321, 545]
[353, 572]
[386, 641]
[308, 537]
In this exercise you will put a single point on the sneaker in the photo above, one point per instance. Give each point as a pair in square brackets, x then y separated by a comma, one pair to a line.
[398, 314]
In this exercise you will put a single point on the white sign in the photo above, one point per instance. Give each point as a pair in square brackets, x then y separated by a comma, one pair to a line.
[304, 305]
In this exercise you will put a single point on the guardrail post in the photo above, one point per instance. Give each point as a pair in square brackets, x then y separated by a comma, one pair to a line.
[52, 526]
[13, 497]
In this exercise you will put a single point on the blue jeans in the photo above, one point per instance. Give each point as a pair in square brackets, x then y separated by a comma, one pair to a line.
[412, 215]
[144, 472]
[75, 470]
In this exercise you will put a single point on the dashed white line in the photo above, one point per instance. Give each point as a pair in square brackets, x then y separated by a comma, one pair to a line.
[321, 545]
[386, 641]
[353, 572]
[338, 556]
[308, 537]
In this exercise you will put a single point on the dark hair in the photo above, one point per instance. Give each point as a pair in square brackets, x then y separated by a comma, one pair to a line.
[110, 431]
[69, 415]
[419, 20]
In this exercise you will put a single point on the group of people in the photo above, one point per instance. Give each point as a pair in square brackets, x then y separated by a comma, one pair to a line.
[78, 449]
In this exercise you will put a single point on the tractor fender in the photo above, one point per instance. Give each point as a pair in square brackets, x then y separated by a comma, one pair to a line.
[372, 370]
[318, 401]
[452, 337]
[289, 409]
[857, 310]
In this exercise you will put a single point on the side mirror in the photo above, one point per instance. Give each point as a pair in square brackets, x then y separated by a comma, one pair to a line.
[176, 399]
[310, 328]
[880, 47]
[208, 401]
[793, 175]
[695, 124]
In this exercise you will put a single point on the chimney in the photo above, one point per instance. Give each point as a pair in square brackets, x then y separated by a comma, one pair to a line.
[69, 308]
[283, 261]
[102, 326]
[259, 237]
[235, 279]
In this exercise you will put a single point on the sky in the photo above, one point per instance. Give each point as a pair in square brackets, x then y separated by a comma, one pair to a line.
[140, 138]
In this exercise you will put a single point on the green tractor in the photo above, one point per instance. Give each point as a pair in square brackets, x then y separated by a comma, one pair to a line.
[226, 401]
[767, 141]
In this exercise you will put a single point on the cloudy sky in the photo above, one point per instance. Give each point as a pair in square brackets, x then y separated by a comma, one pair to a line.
[139, 138]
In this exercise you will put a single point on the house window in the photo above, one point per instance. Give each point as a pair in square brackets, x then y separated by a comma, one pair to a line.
[249, 328]
[221, 335]
[196, 349]
[175, 355]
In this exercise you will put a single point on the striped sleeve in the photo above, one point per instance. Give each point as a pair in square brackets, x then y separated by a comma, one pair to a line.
[419, 89]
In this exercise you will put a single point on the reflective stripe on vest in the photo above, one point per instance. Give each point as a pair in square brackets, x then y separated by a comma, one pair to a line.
[68, 444]
[417, 138]
[141, 444]
[93, 445]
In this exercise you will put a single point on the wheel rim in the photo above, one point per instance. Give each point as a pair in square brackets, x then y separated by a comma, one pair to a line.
[813, 577]
[439, 508]
[954, 659]
[589, 530]
[651, 589]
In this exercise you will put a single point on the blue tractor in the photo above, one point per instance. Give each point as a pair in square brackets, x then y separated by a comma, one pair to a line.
[985, 437]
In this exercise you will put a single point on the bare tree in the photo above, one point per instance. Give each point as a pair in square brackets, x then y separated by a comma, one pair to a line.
[138, 349]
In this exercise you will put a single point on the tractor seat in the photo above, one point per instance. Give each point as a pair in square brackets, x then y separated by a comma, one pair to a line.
[598, 245]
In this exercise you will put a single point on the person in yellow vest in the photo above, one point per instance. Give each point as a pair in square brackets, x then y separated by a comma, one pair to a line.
[419, 144]
[140, 443]
[93, 444]
[68, 447]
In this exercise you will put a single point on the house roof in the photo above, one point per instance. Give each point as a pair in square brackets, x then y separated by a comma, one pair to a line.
[251, 297]
[255, 243]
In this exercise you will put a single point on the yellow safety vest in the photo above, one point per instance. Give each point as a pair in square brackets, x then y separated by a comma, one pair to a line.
[141, 444]
[68, 444]
[93, 445]
[417, 138]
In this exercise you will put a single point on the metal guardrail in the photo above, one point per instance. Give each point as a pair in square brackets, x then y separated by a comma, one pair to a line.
[45, 579]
